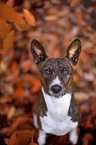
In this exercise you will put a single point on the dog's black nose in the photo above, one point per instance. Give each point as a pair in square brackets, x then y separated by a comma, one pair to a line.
[56, 89]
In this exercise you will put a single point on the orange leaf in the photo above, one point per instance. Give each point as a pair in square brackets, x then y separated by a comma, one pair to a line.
[8, 13]
[36, 85]
[8, 40]
[23, 122]
[75, 3]
[79, 16]
[29, 17]
[9, 3]
[2, 23]
[17, 80]
[14, 67]
[24, 26]
[22, 137]
[25, 65]
[19, 94]
[5, 30]
[88, 137]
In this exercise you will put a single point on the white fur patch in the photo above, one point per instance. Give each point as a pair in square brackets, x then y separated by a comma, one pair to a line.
[56, 81]
[73, 137]
[57, 120]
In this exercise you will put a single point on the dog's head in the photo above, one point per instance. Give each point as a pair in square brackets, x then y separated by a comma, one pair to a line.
[56, 73]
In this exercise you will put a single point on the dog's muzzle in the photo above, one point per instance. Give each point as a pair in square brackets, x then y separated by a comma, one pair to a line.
[56, 89]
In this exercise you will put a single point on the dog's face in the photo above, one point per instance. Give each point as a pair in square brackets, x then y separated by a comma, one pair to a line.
[56, 73]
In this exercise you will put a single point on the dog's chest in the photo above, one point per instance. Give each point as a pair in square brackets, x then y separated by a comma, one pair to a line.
[57, 120]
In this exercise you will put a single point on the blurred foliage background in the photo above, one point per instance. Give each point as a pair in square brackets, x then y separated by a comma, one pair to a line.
[56, 24]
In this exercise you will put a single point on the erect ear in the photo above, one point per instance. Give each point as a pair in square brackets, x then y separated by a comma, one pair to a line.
[38, 52]
[73, 51]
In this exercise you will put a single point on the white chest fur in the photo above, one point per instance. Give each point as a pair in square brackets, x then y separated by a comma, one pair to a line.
[57, 120]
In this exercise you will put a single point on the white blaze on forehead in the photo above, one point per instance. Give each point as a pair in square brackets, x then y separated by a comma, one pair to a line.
[56, 81]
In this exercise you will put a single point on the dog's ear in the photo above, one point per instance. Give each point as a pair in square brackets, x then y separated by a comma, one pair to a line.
[38, 52]
[73, 51]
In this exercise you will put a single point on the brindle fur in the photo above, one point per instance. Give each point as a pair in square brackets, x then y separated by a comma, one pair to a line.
[56, 67]
[73, 110]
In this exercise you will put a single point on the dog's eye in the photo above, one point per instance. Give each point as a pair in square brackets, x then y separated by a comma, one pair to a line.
[65, 71]
[47, 71]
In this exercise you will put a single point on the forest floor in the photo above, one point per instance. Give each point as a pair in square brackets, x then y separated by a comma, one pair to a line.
[57, 24]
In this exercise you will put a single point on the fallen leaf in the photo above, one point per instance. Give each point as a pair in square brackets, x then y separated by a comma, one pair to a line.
[79, 16]
[17, 80]
[23, 123]
[9, 3]
[14, 67]
[86, 139]
[11, 112]
[8, 13]
[84, 56]
[25, 65]
[8, 40]
[19, 94]
[5, 30]
[36, 85]
[29, 17]
[22, 137]
[75, 3]
[2, 23]
[24, 26]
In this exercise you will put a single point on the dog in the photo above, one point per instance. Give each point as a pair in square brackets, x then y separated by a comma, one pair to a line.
[56, 110]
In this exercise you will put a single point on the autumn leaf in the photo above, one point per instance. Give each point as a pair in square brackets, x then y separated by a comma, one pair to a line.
[5, 30]
[23, 26]
[36, 85]
[19, 94]
[2, 23]
[9, 3]
[79, 16]
[29, 17]
[8, 40]
[22, 137]
[8, 13]
[75, 3]
[23, 123]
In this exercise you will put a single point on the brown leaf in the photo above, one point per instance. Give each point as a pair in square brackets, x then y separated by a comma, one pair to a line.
[29, 17]
[75, 3]
[23, 123]
[8, 40]
[79, 16]
[36, 85]
[9, 3]
[5, 30]
[19, 94]
[2, 23]
[84, 56]
[86, 138]
[11, 112]
[25, 65]
[8, 13]
[23, 26]
[22, 137]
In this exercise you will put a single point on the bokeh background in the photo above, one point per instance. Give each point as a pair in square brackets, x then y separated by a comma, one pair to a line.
[58, 22]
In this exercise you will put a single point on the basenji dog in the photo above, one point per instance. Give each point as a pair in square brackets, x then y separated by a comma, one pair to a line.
[56, 110]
